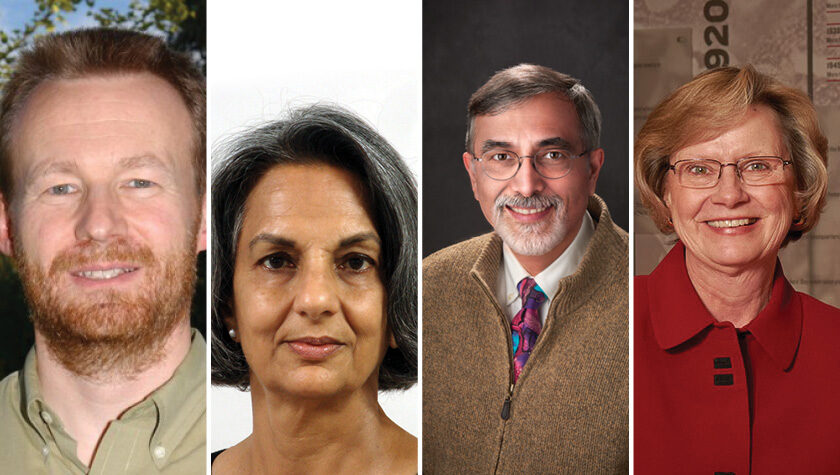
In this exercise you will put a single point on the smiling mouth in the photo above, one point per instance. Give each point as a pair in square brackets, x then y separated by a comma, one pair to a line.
[518, 210]
[731, 223]
[104, 274]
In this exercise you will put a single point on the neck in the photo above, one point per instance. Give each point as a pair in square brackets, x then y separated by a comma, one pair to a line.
[87, 405]
[349, 432]
[734, 295]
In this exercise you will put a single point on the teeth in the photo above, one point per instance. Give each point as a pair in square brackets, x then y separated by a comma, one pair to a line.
[103, 274]
[731, 223]
[528, 210]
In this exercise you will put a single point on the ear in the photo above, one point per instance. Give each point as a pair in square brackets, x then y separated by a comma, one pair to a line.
[392, 342]
[468, 165]
[6, 245]
[798, 214]
[201, 238]
[596, 161]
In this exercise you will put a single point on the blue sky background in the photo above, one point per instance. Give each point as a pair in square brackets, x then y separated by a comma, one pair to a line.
[14, 13]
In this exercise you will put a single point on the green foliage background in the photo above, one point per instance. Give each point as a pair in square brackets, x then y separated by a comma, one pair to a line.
[183, 24]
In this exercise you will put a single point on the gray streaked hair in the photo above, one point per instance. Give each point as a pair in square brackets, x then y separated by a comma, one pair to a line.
[519, 83]
[337, 137]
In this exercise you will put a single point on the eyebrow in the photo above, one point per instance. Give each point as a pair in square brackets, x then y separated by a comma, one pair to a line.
[491, 144]
[359, 238]
[67, 166]
[140, 161]
[271, 239]
[44, 169]
[555, 142]
[280, 241]
[549, 142]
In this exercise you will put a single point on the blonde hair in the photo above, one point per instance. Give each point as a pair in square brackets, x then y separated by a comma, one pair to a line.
[714, 102]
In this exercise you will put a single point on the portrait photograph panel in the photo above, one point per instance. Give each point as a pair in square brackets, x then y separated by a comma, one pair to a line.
[736, 369]
[315, 126]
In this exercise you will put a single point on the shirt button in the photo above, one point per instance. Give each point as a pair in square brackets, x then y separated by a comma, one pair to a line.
[160, 452]
[45, 451]
[46, 417]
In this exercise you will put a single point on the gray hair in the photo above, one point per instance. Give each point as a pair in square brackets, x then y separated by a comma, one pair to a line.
[331, 135]
[519, 83]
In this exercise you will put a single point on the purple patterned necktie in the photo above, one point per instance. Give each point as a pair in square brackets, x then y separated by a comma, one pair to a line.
[526, 324]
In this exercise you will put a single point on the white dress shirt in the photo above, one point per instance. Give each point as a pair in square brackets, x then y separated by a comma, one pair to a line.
[512, 272]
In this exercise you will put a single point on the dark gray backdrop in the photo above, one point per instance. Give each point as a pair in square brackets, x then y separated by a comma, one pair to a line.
[465, 42]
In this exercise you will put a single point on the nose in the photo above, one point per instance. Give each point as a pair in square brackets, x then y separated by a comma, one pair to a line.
[730, 190]
[101, 216]
[527, 181]
[316, 292]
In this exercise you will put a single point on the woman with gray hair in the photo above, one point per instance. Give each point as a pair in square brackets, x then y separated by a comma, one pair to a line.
[314, 293]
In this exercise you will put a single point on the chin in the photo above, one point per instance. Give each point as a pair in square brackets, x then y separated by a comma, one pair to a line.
[738, 256]
[314, 382]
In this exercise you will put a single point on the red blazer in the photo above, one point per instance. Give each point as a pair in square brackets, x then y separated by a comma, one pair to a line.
[710, 398]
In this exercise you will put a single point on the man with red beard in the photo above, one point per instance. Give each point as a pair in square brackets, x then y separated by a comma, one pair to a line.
[525, 329]
[102, 159]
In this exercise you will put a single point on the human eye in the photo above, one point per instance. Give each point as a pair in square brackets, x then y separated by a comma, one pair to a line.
[357, 263]
[554, 155]
[62, 189]
[140, 183]
[756, 165]
[500, 156]
[277, 261]
[698, 169]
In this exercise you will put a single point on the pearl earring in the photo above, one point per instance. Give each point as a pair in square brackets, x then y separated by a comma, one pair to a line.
[232, 334]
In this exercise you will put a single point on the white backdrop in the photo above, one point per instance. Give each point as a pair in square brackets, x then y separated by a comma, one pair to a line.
[265, 57]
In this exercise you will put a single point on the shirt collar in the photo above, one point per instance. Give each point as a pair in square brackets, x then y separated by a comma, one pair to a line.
[178, 403]
[678, 314]
[549, 279]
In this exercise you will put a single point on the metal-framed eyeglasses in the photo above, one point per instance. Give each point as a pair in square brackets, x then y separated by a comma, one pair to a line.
[551, 164]
[705, 173]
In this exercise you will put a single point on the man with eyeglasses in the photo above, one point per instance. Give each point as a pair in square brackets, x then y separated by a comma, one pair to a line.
[525, 329]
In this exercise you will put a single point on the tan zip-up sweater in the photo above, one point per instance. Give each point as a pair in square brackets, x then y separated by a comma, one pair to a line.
[568, 412]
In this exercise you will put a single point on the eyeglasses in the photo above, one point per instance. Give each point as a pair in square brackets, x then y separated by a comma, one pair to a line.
[705, 173]
[550, 163]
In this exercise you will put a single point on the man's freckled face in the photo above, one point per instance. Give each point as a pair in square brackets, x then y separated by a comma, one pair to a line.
[101, 158]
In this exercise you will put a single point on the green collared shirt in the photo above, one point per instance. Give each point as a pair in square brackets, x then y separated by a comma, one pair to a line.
[164, 433]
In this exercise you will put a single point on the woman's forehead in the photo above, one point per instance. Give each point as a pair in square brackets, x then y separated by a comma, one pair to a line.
[308, 200]
[757, 132]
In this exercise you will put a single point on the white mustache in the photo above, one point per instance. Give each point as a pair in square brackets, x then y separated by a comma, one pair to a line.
[534, 201]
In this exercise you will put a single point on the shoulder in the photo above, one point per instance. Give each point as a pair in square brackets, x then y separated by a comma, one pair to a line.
[214, 455]
[814, 309]
[10, 397]
[609, 235]
[457, 257]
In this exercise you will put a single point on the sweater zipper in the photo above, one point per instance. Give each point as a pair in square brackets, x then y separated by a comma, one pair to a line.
[506, 405]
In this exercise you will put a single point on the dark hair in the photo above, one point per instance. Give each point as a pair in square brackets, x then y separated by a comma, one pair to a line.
[331, 135]
[101, 52]
[519, 83]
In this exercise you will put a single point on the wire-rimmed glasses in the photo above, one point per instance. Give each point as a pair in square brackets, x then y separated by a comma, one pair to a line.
[705, 172]
[550, 163]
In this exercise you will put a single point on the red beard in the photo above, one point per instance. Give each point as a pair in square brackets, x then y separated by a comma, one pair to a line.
[109, 332]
